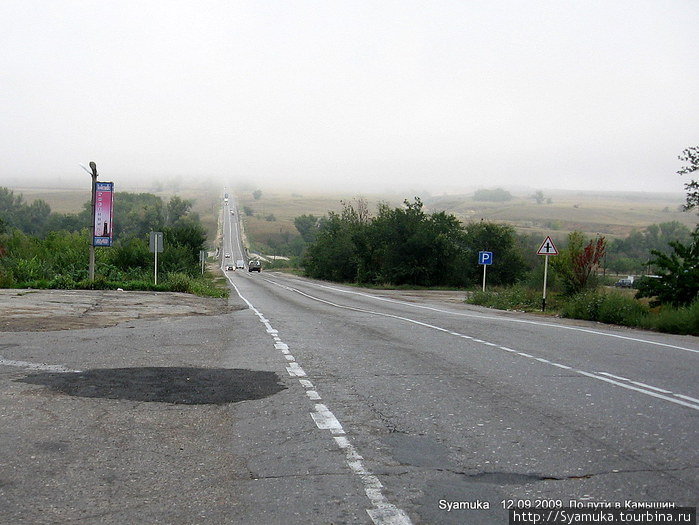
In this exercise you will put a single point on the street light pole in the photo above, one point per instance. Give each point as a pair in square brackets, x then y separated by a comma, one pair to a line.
[93, 174]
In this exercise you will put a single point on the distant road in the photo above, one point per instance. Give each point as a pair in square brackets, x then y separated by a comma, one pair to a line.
[452, 403]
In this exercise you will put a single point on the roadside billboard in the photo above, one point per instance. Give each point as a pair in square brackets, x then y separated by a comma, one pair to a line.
[103, 214]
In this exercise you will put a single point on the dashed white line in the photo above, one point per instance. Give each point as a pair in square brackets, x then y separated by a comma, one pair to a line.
[383, 512]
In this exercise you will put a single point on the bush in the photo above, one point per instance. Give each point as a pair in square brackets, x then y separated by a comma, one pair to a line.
[178, 282]
[621, 309]
[610, 308]
[62, 282]
[582, 306]
[513, 298]
[683, 320]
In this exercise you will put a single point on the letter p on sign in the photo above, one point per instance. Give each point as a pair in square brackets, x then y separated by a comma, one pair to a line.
[485, 257]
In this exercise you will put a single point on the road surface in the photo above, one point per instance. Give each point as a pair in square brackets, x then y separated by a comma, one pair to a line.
[311, 402]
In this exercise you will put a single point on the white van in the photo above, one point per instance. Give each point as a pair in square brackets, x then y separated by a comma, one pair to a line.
[240, 264]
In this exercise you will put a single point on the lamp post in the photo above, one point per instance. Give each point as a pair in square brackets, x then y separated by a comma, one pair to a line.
[93, 174]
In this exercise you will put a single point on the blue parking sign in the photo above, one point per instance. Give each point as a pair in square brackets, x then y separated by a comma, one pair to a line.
[485, 257]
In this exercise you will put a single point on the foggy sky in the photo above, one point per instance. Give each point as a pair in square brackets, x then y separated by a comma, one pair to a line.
[368, 95]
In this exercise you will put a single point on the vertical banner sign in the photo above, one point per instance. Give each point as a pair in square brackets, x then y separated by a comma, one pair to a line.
[103, 214]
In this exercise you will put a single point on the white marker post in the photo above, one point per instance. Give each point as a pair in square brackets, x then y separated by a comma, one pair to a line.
[156, 245]
[547, 248]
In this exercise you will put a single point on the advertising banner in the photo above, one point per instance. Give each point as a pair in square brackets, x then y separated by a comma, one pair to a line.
[103, 214]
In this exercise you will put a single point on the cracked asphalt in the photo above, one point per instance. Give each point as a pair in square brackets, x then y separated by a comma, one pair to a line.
[119, 407]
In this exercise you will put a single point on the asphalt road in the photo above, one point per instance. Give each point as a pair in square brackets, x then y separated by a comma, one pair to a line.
[309, 402]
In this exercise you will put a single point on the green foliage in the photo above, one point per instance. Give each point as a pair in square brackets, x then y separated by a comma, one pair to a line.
[516, 297]
[678, 282]
[307, 226]
[248, 211]
[610, 308]
[577, 263]
[675, 320]
[691, 157]
[257, 195]
[405, 246]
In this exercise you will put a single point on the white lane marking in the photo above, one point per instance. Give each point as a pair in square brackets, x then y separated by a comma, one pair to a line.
[313, 395]
[326, 420]
[695, 400]
[506, 319]
[36, 366]
[295, 370]
[383, 513]
[652, 392]
[631, 387]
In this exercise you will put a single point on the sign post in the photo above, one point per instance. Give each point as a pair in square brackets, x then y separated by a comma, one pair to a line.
[156, 245]
[202, 258]
[486, 259]
[547, 248]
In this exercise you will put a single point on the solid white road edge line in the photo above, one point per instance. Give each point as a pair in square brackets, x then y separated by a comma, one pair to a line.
[648, 390]
[506, 319]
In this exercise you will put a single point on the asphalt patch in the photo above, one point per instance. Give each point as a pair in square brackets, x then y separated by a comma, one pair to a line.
[176, 385]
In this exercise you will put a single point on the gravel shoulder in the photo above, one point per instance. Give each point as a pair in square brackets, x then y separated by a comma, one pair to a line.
[49, 310]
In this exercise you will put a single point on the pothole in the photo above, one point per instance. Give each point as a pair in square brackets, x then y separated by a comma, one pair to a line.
[177, 385]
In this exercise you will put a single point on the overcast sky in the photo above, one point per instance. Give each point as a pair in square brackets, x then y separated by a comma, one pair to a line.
[371, 95]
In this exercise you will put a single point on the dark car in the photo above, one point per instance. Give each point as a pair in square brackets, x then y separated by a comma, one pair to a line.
[254, 266]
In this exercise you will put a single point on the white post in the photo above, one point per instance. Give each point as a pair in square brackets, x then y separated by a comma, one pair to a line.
[156, 259]
[484, 267]
[546, 269]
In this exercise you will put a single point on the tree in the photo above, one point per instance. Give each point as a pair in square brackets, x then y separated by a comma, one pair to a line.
[678, 284]
[539, 197]
[508, 263]
[577, 263]
[178, 208]
[691, 156]
[307, 226]
[257, 195]
[496, 195]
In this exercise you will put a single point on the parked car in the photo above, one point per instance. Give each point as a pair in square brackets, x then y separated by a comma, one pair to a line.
[254, 266]
[624, 283]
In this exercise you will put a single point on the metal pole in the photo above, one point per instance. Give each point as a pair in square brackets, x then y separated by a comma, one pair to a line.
[484, 267]
[93, 167]
[156, 259]
[546, 269]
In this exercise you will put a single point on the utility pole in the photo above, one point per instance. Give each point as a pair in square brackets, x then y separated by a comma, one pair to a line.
[93, 174]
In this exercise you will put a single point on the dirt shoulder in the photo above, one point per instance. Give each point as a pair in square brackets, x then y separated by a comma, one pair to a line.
[48, 310]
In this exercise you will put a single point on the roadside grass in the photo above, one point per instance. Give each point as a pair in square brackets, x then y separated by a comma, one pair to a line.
[605, 306]
[207, 286]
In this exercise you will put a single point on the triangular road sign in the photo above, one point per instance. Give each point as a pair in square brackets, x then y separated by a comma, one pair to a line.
[547, 247]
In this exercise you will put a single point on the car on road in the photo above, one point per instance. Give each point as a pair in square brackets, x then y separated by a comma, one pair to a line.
[227, 256]
[230, 268]
[254, 266]
[240, 264]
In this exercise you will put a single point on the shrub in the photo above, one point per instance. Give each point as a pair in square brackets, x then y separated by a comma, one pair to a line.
[584, 305]
[683, 320]
[62, 282]
[610, 308]
[513, 298]
[621, 309]
[178, 282]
